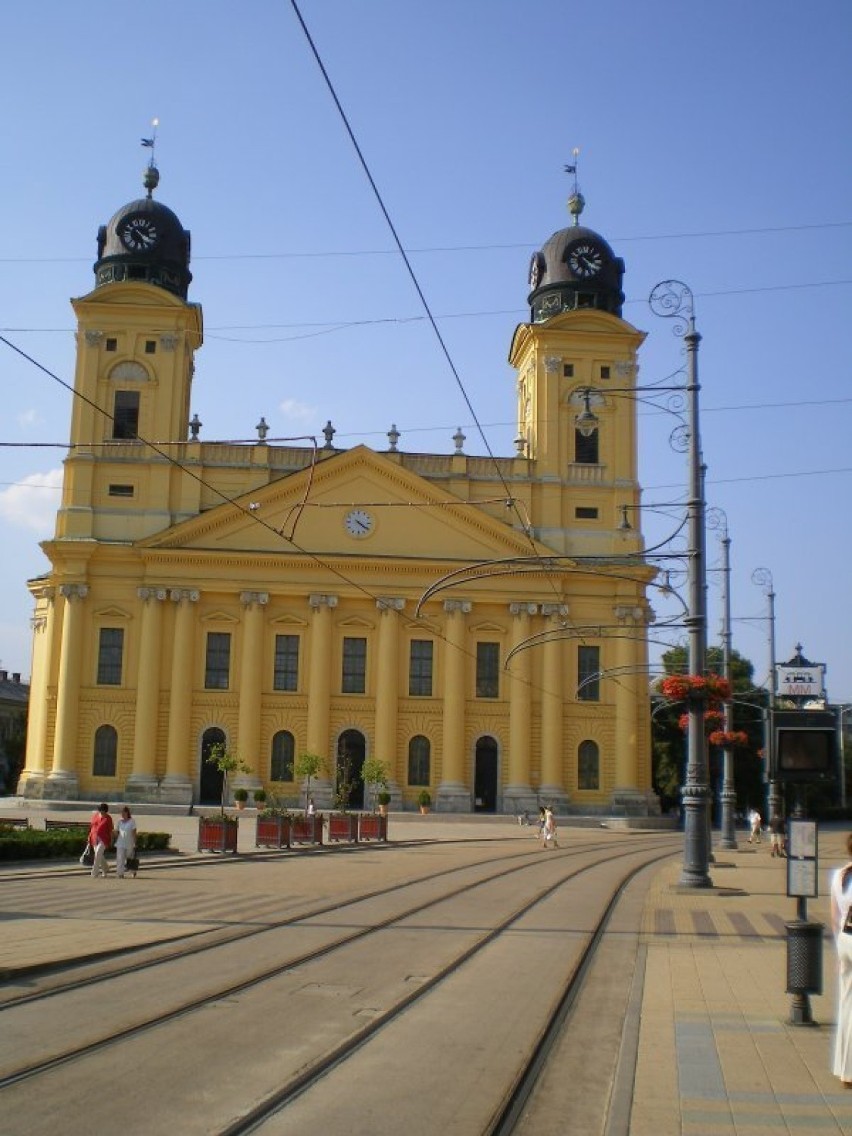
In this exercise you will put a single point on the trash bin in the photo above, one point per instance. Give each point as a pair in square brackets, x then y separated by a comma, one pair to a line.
[804, 957]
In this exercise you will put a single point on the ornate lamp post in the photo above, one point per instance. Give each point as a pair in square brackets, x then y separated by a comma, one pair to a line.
[728, 796]
[763, 578]
[673, 300]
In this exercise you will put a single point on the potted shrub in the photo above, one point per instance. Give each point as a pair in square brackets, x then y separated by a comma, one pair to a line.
[219, 834]
[384, 800]
[308, 765]
[259, 797]
[424, 800]
[240, 797]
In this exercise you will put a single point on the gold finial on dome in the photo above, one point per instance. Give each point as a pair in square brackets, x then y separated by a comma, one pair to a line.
[576, 202]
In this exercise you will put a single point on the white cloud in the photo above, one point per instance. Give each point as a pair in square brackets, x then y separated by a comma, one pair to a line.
[31, 503]
[297, 411]
[28, 417]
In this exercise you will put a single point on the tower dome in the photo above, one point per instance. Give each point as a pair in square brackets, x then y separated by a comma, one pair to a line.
[145, 241]
[575, 268]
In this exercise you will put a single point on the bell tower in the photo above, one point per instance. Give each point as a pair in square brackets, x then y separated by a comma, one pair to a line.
[137, 334]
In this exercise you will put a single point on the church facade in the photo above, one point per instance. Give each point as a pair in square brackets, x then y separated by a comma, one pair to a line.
[477, 624]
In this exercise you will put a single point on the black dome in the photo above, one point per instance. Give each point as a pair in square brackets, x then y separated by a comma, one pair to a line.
[576, 268]
[145, 241]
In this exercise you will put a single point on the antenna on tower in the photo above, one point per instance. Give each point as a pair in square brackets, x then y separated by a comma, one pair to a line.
[152, 174]
[576, 202]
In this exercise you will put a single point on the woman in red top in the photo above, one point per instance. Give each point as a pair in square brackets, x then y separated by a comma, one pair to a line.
[100, 837]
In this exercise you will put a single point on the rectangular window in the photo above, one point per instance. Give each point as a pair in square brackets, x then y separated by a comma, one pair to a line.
[487, 670]
[125, 415]
[605, 372]
[586, 448]
[420, 668]
[217, 670]
[111, 344]
[110, 651]
[354, 679]
[586, 513]
[286, 663]
[588, 669]
[121, 491]
[568, 370]
[150, 346]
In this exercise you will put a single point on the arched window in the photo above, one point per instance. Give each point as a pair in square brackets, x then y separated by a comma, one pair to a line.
[419, 752]
[588, 766]
[283, 750]
[106, 752]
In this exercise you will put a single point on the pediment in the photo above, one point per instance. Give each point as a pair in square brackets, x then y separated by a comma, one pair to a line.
[112, 613]
[219, 617]
[487, 629]
[356, 624]
[407, 516]
[288, 621]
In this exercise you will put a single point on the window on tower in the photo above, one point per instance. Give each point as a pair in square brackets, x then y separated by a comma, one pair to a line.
[586, 449]
[420, 668]
[125, 414]
[217, 667]
[487, 670]
[588, 674]
[354, 678]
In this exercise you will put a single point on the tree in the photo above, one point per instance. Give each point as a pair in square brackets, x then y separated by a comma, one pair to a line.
[375, 774]
[308, 765]
[226, 761]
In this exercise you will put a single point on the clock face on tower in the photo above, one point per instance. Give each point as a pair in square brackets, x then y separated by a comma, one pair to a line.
[536, 271]
[137, 233]
[358, 522]
[585, 259]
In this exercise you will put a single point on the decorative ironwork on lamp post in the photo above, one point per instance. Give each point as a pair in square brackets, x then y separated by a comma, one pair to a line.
[672, 299]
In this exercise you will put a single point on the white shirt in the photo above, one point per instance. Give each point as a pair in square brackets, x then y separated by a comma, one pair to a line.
[126, 833]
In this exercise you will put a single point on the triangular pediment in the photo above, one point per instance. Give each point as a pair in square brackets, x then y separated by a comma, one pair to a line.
[112, 613]
[288, 621]
[355, 624]
[487, 629]
[355, 504]
[219, 617]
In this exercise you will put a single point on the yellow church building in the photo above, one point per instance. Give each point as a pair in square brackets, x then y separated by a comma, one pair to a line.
[478, 624]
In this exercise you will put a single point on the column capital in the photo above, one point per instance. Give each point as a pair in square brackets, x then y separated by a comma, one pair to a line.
[249, 598]
[463, 606]
[146, 594]
[629, 613]
[93, 338]
[523, 608]
[317, 600]
[390, 603]
[554, 610]
[74, 591]
[552, 363]
[190, 594]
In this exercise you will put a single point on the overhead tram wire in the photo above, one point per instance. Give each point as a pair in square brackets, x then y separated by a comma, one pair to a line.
[510, 499]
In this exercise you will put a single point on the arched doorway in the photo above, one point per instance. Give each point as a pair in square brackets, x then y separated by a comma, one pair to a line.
[351, 747]
[485, 776]
[210, 779]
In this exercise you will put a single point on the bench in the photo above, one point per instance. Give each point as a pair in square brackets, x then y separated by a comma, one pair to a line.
[14, 822]
[74, 825]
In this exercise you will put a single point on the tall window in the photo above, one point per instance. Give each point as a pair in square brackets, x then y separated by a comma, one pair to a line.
[106, 752]
[286, 663]
[588, 668]
[588, 766]
[420, 667]
[217, 670]
[110, 650]
[419, 752]
[586, 448]
[487, 670]
[354, 665]
[125, 414]
[283, 750]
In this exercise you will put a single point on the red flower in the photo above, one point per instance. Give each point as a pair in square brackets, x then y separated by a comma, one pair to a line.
[729, 739]
[677, 688]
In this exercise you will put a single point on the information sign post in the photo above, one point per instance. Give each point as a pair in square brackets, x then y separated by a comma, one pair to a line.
[804, 939]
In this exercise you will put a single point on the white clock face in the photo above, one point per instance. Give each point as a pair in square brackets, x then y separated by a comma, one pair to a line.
[585, 260]
[358, 522]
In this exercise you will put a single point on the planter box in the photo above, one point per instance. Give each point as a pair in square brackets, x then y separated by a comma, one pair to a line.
[273, 832]
[217, 834]
[343, 827]
[372, 827]
[306, 829]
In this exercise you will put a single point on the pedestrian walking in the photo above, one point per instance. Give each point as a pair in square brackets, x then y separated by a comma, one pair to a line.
[754, 820]
[100, 837]
[125, 844]
[548, 832]
[777, 832]
[841, 925]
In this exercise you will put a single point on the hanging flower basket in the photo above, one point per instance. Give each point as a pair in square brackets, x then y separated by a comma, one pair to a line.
[728, 739]
[712, 720]
[677, 688]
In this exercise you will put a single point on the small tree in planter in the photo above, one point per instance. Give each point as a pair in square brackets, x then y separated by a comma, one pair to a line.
[375, 774]
[219, 834]
[227, 762]
[308, 765]
[259, 797]
[240, 797]
[424, 800]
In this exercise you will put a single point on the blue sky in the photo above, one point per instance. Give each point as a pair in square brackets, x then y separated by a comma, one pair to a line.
[714, 148]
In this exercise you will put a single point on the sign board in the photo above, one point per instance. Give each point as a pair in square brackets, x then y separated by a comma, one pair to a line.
[804, 745]
[802, 859]
[800, 682]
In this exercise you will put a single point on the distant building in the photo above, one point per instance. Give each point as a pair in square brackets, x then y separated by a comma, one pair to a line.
[14, 698]
[265, 595]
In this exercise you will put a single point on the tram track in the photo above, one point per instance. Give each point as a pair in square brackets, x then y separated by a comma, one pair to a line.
[319, 1068]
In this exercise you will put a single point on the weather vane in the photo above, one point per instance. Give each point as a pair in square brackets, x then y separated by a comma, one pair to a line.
[151, 142]
[152, 174]
[576, 201]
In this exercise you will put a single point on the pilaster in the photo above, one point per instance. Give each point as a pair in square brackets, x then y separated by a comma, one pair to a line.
[552, 787]
[319, 688]
[453, 794]
[251, 681]
[518, 795]
[142, 782]
[177, 783]
[63, 781]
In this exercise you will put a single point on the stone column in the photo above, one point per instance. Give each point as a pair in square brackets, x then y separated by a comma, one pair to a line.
[387, 691]
[453, 795]
[31, 783]
[251, 684]
[552, 788]
[142, 782]
[518, 795]
[176, 786]
[63, 780]
[627, 792]
[319, 692]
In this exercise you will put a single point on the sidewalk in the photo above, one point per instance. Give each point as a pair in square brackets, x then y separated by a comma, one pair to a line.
[717, 1054]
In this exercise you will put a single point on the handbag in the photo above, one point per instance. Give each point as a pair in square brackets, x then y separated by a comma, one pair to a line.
[133, 864]
[88, 857]
[847, 923]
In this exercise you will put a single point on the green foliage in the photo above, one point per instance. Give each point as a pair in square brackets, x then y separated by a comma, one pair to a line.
[424, 798]
[375, 774]
[307, 766]
[260, 796]
[383, 798]
[227, 762]
[240, 794]
[63, 844]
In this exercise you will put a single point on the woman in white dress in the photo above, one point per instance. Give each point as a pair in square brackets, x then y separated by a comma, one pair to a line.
[125, 844]
[841, 901]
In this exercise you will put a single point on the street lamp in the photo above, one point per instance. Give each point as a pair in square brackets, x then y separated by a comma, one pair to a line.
[673, 300]
[763, 578]
[728, 797]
